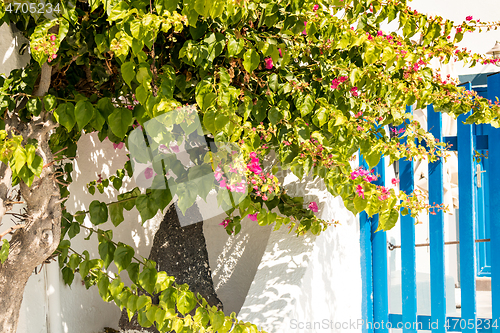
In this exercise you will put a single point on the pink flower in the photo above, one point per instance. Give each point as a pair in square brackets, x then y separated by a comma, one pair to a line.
[254, 166]
[380, 33]
[459, 29]
[264, 197]
[118, 145]
[225, 223]
[359, 128]
[394, 181]
[279, 50]
[468, 18]
[218, 174]
[241, 187]
[148, 173]
[269, 63]
[253, 216]
[313, 206]
[54, 56]
[253, 154]
[354, 91]
[315, 8]
[223, 183]
[53, 38]
[304, 32]
[360, 191]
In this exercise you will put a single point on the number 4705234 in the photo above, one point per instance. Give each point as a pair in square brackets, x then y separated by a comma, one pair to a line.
[31, 7]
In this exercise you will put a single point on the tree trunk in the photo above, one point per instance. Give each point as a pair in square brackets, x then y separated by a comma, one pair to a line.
[182, 253]
[32, 244]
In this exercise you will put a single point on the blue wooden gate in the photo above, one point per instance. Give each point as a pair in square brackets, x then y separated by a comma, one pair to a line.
[479, 208]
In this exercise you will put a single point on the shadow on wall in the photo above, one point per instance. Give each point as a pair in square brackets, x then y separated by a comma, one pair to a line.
[278, 282]
[10, 42]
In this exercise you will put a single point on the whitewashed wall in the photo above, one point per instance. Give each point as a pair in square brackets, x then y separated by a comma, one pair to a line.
[303, 281]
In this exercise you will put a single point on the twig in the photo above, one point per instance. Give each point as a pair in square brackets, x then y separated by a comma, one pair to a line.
[11, 229]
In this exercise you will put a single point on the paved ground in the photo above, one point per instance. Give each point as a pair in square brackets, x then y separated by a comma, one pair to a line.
[483, 303]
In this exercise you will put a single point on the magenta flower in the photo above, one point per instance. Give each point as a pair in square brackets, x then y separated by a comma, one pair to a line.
[360, 191]
[313, 206]
[118, 145]
[394, 181]
[279, 50]
[253, 217]
[253, 154]
[223, 183]
[225, 223]
[53, 38]
[380, 33]
[218, 174]
[304, 32]
[269, 63]
[148, 173]
[254, 166]
[468, 18]
[315, 8]
[354, 91]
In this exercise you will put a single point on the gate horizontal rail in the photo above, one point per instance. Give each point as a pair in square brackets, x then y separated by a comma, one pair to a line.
[391, 246]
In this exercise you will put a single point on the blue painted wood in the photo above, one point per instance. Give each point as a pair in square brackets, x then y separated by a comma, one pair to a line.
[494, 207]
[379, 250]
[452, 324]
[436, 228]
[467, 222]
[366, 271]
[408, 266]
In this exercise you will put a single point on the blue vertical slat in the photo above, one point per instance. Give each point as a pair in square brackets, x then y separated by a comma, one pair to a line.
[436, 228]
[366, 272]
[494, 179]
[466, 221]
[408, 266]
[379, 250]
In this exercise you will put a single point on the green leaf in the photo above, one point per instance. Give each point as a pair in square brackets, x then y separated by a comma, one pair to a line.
[74, 229]
[65, 115]
[203, 7]
[103, 286]
[128, 72]
[123, 256]
[133, 272]
[373, 158]
[49, 102]
[84, 111]
[185, 302]
[119, 121]
[98, 212]
[4, 251]
[147, 207]
[388, 219]
[143, 301]
[217, 320]
[306, 105]
[360, 203]
[147, 279]
[34, 106]
[251, 60]
[68, 275]
[116, 213]
[106, 252]
[74, 261]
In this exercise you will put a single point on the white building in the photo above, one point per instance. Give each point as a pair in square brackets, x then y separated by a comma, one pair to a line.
[271, 278]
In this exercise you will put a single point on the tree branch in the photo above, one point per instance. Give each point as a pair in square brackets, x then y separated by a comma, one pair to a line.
[11, 229]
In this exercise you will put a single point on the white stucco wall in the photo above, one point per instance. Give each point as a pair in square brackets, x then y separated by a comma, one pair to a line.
[299, 280]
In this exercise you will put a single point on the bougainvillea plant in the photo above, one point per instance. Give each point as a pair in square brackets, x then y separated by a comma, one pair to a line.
[315, 82]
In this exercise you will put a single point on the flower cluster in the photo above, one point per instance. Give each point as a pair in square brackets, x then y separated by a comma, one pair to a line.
[336, 82]
[47, 46]
[269, 63]
[365, 175]
[265, 185]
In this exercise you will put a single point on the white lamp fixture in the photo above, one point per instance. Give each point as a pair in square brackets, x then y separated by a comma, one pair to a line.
[495, 52]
